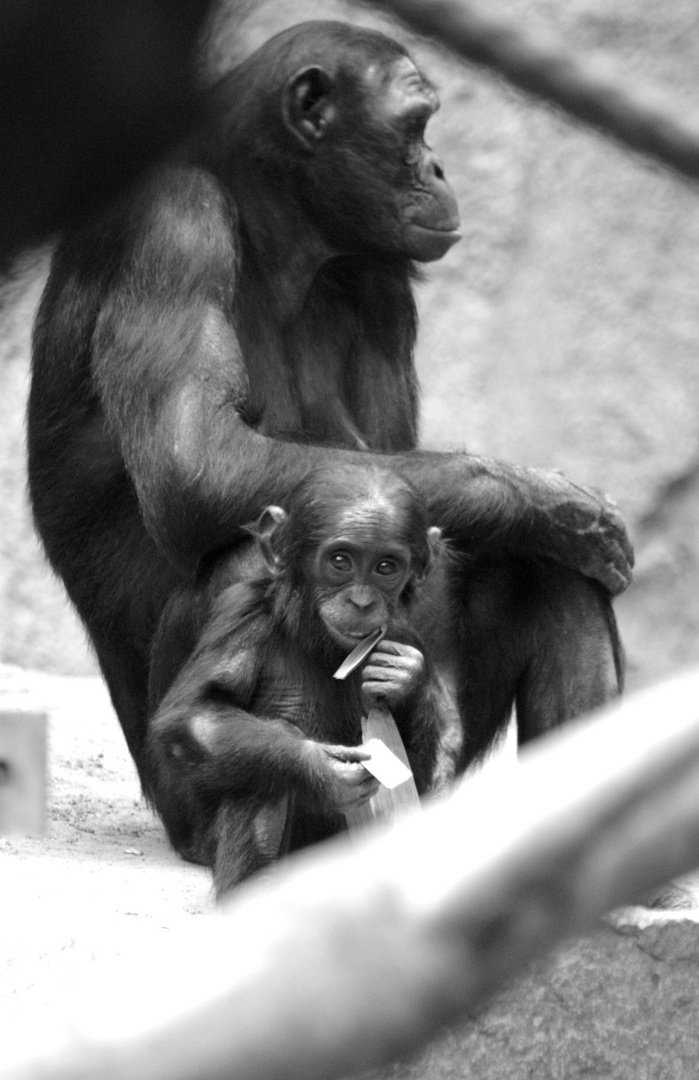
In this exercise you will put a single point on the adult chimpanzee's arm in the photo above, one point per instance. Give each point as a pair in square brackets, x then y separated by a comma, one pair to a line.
[481, 503]
[168, 367]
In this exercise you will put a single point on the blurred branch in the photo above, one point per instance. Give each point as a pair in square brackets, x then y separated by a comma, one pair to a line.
[353, 954]
[540, 65]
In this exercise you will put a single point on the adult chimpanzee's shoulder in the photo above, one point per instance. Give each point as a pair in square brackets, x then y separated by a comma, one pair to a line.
[180, 212]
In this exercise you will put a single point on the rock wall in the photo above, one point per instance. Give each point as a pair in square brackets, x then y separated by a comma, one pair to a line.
[561, 332]
[620, 1004]
[37, 626]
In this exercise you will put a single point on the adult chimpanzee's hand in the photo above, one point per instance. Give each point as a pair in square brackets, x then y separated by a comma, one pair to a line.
[348, 784]
[392, 673]
[582, 528]
[489, 507]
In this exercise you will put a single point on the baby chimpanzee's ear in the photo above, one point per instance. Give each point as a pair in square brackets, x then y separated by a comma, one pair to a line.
[269, 521]
[436, 548]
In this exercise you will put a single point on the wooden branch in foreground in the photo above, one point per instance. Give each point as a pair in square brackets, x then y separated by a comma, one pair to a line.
[354, 954]
[589, 90]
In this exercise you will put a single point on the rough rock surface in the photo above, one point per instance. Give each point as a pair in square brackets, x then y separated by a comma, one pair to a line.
[621, 1004]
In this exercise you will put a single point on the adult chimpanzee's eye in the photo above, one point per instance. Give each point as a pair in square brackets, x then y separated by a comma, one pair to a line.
[340, 561]
[387, 567]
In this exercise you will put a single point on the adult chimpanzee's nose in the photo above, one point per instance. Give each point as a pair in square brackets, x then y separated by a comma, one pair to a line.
[442, 211]
[432, 169]
[437, 168]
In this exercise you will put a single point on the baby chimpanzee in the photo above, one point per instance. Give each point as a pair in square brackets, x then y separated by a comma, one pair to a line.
[258, 741]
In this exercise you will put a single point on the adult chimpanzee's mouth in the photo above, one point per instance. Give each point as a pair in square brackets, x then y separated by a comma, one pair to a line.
[425, 243]
[453, 234]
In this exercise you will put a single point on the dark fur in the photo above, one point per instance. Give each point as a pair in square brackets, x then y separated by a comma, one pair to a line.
[180, 384]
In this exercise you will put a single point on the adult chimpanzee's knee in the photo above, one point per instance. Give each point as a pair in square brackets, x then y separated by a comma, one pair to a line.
[533, 634]
[576, 661]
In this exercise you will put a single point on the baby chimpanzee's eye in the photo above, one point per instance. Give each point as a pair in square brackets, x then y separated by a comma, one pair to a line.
[340, 561]
[387, 567]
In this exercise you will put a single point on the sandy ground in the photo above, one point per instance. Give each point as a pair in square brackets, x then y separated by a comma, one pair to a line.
[103, 878]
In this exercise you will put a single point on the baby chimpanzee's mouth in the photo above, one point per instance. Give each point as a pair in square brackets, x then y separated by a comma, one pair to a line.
[360, 653]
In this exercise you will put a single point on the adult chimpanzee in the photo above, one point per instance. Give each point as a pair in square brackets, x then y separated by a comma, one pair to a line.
[255, 741]
[247, 314]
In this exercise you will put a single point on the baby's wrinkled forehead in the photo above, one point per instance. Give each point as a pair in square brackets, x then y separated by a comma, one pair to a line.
[375, 515]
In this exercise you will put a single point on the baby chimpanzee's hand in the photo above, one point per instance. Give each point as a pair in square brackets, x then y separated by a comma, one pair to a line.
[348, 784]
[392, 673]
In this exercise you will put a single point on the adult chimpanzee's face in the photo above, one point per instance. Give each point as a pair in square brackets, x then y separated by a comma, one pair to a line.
[425, 202]
[358, 574]
[367, 179]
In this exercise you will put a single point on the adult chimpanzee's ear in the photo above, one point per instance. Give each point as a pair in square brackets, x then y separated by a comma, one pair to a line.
[436, 548]
[267, 525]
[307, 106]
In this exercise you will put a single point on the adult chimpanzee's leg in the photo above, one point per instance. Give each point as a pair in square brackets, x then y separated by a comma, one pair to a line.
[127, 677]
[576, 661]
[528, 633]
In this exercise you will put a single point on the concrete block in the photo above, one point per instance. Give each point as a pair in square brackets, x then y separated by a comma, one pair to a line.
[22, 773]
